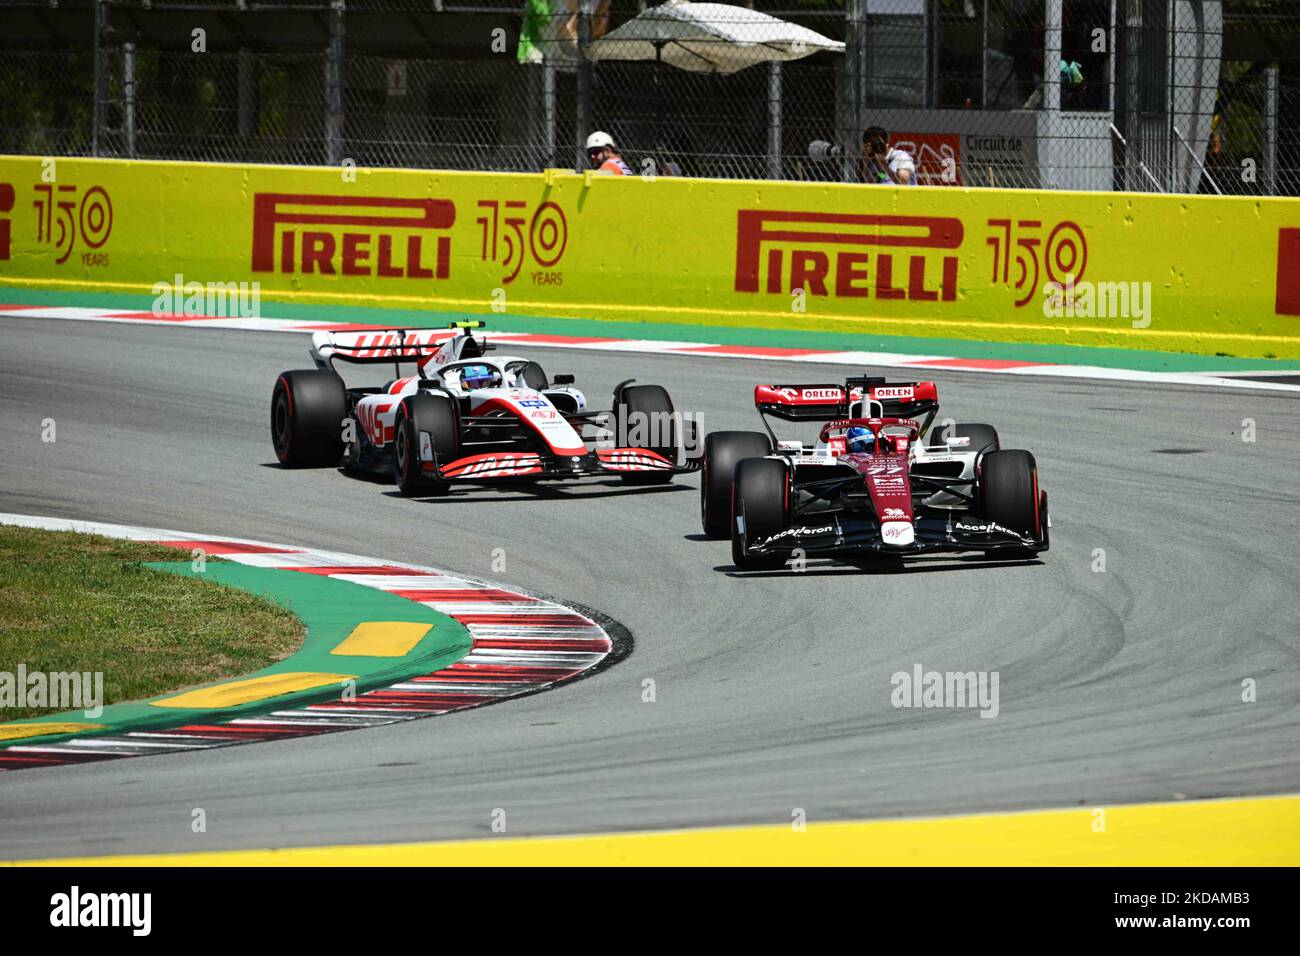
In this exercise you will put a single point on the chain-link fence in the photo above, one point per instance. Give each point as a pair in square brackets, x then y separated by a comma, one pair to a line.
[1157, 95]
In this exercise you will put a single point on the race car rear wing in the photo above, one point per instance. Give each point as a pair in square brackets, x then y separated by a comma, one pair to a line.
[858, 397]
[377, 346]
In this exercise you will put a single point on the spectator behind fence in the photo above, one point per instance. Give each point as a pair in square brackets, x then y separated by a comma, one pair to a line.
[604, 155]
[882, 163]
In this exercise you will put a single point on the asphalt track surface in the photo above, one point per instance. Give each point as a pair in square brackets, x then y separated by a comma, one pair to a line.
[772, 690]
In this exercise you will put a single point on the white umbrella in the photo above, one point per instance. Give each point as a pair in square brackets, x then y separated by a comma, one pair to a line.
[708, 38]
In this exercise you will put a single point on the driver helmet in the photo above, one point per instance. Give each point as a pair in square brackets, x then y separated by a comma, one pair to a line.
[479, 376]
[859, 440]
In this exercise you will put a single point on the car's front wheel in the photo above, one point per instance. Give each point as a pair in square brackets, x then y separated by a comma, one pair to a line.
[722, 450]
[760, 507]
[424, 415]
[1008, 493]
[644, 416]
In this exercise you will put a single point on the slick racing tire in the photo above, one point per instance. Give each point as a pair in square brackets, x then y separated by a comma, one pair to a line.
[308, 409]
[647, 409]
[722, 451]
[436, 415]
[981, 436]
[761, 497]
[1008, 495]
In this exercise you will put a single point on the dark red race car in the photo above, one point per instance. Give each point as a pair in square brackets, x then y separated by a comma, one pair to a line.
[879, 479]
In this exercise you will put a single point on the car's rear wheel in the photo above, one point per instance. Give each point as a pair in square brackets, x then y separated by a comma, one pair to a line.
[646, 412]
[308, 410]
[432, 415]
[760, 507]
[1008, 493]
[722, 450]
[981, 436]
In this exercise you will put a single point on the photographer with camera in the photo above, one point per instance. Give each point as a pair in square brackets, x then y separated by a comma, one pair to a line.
[881, 163]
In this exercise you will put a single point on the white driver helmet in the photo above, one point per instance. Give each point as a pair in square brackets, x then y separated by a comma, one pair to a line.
[599, 140]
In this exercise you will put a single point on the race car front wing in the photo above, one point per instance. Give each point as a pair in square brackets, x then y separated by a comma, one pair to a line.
[531, 464]
[838, 533]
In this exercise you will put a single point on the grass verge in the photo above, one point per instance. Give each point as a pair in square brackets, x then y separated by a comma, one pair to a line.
[78, 602]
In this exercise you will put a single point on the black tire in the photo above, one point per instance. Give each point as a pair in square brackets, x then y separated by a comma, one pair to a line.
[1008, 492]
[651, 401]
[308, 409]
[761, 495]
[437, 415]
[722, 450]
[981, 436]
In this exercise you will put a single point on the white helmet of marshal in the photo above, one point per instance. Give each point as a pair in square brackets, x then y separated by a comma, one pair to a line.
[599, 140]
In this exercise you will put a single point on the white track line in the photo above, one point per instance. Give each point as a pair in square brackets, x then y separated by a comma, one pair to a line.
[536, 340]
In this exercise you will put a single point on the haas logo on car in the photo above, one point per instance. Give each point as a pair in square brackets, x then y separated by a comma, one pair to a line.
[368, 413]
[499, 466]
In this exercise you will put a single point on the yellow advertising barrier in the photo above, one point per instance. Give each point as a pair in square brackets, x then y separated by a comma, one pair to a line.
[1187, 273]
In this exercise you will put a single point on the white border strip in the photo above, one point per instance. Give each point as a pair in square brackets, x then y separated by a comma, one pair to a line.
[613, 344]
[565, 650]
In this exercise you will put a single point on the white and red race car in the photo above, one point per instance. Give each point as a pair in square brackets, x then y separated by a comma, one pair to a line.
[869, 484]
[465, 416]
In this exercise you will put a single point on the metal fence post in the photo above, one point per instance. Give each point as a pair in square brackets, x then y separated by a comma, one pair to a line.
[548, 109]
[128, 95]
[246, 86]
[1052, 58]
[585, 108]
[100, 81]
[334, 86]
[853, 95]
[774, 119]
[1270, 131]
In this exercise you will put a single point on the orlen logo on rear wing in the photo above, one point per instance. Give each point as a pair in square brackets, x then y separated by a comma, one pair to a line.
[820, 402]
[770, 240]
[905, 399]
[804, 402]
[908, 394]
[801, 394]
[382, 236]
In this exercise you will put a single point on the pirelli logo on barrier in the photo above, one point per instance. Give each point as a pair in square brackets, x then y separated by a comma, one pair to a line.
[6, 227]
[848, 255]
[392, 237]
[1287, 287]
